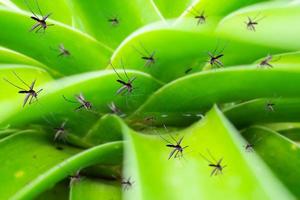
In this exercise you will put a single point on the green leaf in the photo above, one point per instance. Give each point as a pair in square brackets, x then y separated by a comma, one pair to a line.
[86, 53]
[93, 189]
[278, 17]
[25, 157]
[36, 165]
[108, 128]
[285, 110]
[27, 73]
[97, 87]
[195, 94]
[171, 9]
[185, 46]
[8, 56]
[93, 15]
[284, 160]
[59, 192]
[59, 9]
[245, 176]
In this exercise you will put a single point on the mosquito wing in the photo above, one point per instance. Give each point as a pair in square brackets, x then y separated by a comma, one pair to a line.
[26, 99]
[121, 90]
[35, 26]
[214, 171]
[172, 153]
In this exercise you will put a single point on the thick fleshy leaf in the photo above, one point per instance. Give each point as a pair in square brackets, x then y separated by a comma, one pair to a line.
[94, 189]
[281, 110]
[24, 157]
[59, 9]
[35, 164]
[99, 88]
[194, 94]
[27, 73]
[93, 17]
[172, 9]
[283, 160]
[272, 17]
[8, 56]
[59, 192]
[184, 48]
[86, 53]
[245, 175]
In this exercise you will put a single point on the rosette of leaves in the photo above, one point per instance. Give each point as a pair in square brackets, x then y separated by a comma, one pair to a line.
[149, 99]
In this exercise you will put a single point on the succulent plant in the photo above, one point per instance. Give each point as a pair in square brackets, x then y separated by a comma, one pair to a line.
[149, 99]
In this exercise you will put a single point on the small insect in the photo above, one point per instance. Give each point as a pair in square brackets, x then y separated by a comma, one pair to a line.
[127, 86]
[147, 56]
[270, 106]
[188, 70]
[199, 16]
[214, 58]
[75, 178]
[114, 109]
[127, 184]
[177, 151]
[252, 23]
[61, 133]
[31, 94]
[81, 100]
[249, 147]
[218, 168]
[266, 62]
[40, 22]
[63, 51]
[114, 21]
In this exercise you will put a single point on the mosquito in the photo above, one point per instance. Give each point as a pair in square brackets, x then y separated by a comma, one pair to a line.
[147, 56]
[114, 109]
[127, 86]
[252, 23]
[61, 133]
[81, 100]
[218, 168]
[215, 58]
[270, 106]
[114, 21]
[177, 147]
[63, 51]
[31, 94]
[75, 178]
[267, 60]
[249, 146]
[200, 17]
[40, 22]
[188, 70]
[127, 184]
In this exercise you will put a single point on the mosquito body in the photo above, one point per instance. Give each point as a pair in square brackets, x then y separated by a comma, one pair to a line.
[177, 151]
[266, 62]
[147, 56]
[215, 57]
[216, 165]
[252, 23]
[61, 133]
[127, 86]
[75, 178]
[199, 16]
[31, 94]
[270, 106]
[127, 184]
[63, 51]
[188, 70]
[81, 100]
[114, 21]
[40, 21]
[249, 147]
[114, 109]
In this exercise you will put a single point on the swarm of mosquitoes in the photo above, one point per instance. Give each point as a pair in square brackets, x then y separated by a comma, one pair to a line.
[126, 87]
